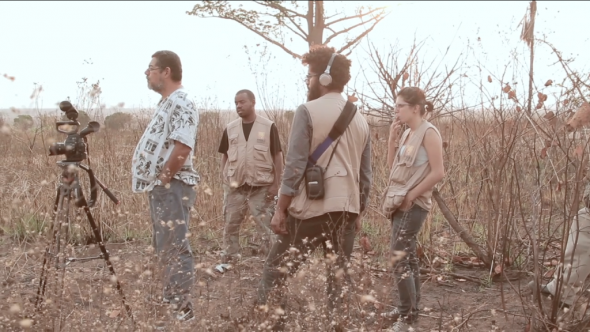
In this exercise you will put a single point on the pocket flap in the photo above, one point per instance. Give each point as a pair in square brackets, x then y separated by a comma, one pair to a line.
[391, 192]
[261, 147]
[335, 171]
[232, 137]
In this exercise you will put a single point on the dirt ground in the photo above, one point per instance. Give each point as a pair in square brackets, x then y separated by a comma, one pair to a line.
[457, 301]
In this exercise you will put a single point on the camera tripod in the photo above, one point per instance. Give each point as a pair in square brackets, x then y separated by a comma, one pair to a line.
[55, 260]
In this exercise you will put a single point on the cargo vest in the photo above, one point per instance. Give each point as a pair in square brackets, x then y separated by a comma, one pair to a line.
[404, 175]
[341, 178]
[249, 162]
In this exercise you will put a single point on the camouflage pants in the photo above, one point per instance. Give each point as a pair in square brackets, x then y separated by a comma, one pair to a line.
[238, 201]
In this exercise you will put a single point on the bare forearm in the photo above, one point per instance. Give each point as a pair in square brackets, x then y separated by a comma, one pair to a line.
[284, 202]
[223, 162]
[427, 184]
[175, 162]
[433, 146]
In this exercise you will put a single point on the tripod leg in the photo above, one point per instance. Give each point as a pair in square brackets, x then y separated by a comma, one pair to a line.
[46, 258]
[98, 237]
[53, 256]
[61, 258]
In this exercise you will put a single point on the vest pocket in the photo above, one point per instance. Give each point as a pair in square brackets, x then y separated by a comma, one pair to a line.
[392, 199]
[264, 174]
[232, 151]
[260, 152]
[228, 176]
[401, 174]
[232, 154]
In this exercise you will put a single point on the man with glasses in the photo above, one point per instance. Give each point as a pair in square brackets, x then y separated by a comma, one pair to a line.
[162, 167]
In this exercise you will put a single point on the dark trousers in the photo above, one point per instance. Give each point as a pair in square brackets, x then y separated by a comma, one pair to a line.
[406, 226]
[335, 231]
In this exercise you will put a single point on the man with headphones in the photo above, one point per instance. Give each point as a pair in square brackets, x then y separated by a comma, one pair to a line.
[326, 180]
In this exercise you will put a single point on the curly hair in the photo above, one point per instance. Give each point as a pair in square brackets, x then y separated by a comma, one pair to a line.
[317, 59]
[416, 96]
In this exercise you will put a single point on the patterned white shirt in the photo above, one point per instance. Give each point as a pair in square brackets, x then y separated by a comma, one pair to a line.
[176, 118]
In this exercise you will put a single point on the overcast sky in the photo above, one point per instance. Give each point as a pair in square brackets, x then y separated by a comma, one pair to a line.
[55, 44]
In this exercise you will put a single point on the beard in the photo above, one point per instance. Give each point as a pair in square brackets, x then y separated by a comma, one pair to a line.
[157, 87]
[313, 92]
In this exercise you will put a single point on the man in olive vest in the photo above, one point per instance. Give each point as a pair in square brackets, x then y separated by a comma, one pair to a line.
[252, 164]
[305, 223]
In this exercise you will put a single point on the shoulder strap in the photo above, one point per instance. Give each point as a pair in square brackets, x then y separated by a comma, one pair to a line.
[338, 129]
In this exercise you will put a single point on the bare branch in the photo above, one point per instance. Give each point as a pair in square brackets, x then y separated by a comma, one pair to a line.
[336, 34]
[303, 34]
[351, 44]
[272, 41]
[382, 9]
[284, 10]
[278, 21]
[566, 68]
[289, 14]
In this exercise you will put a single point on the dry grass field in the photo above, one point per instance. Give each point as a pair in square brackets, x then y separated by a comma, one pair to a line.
[513, 183]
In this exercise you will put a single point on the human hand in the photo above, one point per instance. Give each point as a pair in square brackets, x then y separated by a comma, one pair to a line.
[394, 129]
[278, 223]
[358, 224]
[408, 202]
[273, 190]
[164, 180]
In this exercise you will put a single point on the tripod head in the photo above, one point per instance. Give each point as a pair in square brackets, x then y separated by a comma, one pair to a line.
[74, 146]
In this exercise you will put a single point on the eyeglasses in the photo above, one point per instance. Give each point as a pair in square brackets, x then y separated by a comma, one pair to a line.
[152, 68]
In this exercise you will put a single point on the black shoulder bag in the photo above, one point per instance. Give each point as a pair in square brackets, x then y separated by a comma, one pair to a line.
[314, 174]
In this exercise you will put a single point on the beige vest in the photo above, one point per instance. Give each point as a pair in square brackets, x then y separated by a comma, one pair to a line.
[249, 162]
[404, 175]
[341, 178]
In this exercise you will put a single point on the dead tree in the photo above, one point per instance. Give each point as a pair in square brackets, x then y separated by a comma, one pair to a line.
[279, 22]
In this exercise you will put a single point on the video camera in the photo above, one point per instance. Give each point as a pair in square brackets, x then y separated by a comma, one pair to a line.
[74, 146]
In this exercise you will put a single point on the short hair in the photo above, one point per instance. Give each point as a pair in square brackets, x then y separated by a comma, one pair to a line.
[318, 57]
[416, 96]
[171, 60]
[248, 93]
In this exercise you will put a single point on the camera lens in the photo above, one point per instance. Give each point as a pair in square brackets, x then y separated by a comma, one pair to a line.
[57, 149]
